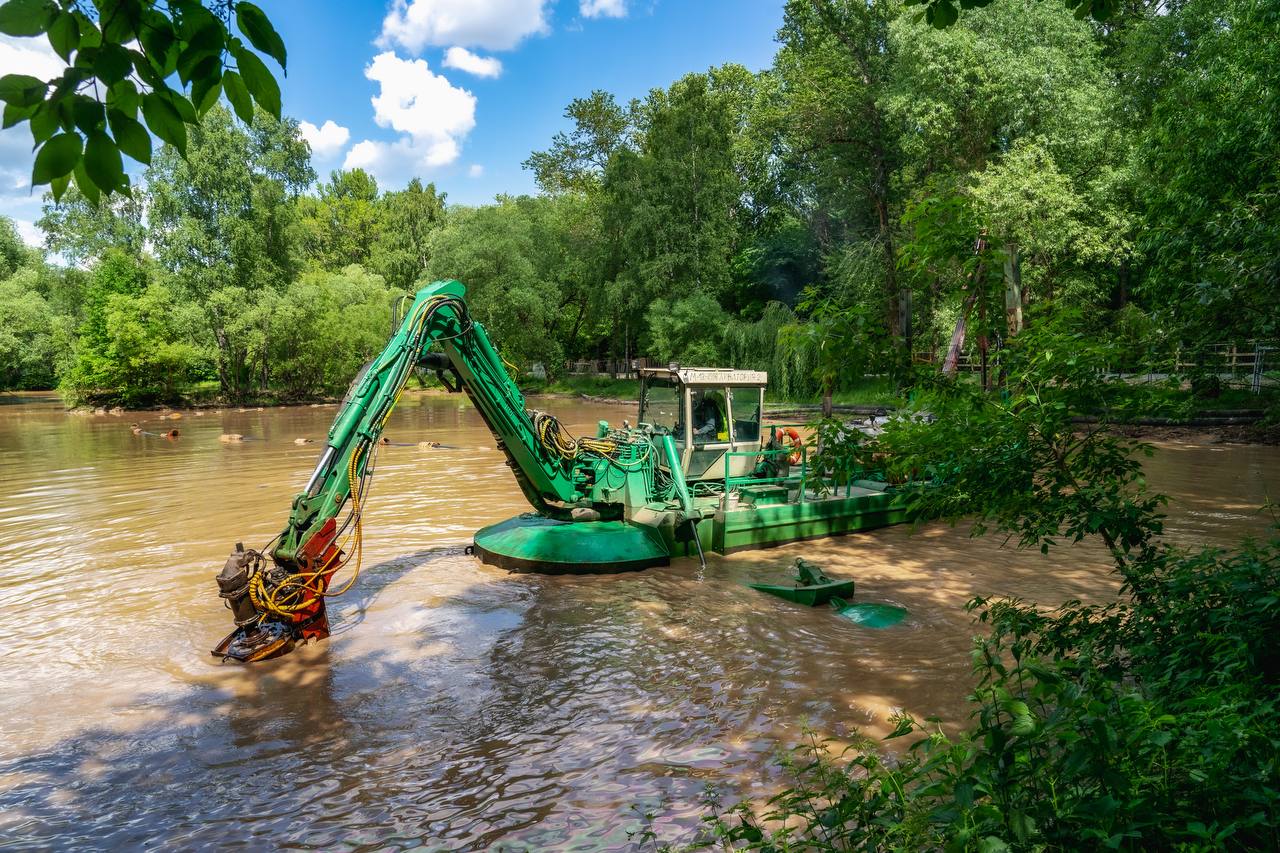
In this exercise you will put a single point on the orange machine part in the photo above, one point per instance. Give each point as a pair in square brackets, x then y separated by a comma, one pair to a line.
[319, 551]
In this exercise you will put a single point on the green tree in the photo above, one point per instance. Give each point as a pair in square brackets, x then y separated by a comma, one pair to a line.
[342, 221]
[1208, 181]
[27, 349]
[409, 217]
[836, 69]
[82, 231]
[224, 222]
[689, 330]
[494, 250]
[13, 252]
[149, 355]
[324, 327]
[576, 160]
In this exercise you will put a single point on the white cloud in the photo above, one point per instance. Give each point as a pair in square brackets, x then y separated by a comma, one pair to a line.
[475, 170]
[465, 60]
[29, 56]
[30, 234]
[603, 8]
[22, 56]
[326, 140]
[432, 115]
[491, 24]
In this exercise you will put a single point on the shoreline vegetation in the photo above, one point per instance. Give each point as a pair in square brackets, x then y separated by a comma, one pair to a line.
[1234, 417]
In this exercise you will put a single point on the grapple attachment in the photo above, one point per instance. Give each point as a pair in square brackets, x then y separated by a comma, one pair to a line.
[273, 606]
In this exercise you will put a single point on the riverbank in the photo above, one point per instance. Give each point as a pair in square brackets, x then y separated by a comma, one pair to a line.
[1228, 420]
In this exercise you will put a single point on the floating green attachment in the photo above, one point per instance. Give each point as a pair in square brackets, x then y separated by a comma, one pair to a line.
[532, 543]
[811, 587]
[808, 595]
[869, 615]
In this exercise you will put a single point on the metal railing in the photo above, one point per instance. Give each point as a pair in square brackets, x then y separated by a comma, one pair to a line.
[1252, 365]
[731, 483]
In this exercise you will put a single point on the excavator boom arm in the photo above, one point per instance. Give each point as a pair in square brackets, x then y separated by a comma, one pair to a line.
[276, 602]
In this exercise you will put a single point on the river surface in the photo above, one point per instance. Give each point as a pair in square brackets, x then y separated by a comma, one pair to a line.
[456, 706]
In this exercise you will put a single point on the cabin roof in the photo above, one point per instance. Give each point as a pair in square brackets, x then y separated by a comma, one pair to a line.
[707, 376]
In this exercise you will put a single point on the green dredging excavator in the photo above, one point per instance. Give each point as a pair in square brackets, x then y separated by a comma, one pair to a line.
[697, 472]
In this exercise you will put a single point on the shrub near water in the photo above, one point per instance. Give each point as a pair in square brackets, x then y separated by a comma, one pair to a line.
[1149, 723]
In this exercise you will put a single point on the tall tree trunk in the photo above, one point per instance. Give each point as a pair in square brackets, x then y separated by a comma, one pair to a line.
[974, 285]
[1012, 289]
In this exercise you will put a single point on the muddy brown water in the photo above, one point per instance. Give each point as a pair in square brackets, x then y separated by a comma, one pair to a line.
[456, 706]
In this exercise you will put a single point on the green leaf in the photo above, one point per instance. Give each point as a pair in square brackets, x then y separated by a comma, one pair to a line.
[64, 35]
[184, 108]
[22, 90]
[119, 20]
[102, 162]
[253, 22]
[147, 70]
[14, 114]
[87, 188]
[56, 158]
[123, 97]
[263, 86]
[45, 120]
[59, 186]
[942, 14]
[164, 120]
[156, 37]
[89, 34]
[113, 63]
[88, 113]
[238, 95]
[131, 136]
[207, 43]
[26, 17]
[205, 91]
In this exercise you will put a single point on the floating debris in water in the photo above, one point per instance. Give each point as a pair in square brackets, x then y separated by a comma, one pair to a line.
[137, 429]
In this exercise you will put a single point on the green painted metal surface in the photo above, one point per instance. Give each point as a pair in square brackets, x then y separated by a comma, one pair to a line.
[776, 524]
[810, 596]
[534, 543]
[871, 614]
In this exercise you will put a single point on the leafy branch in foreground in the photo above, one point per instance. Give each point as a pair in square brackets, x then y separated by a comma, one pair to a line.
[120, 57]
[1147, 723]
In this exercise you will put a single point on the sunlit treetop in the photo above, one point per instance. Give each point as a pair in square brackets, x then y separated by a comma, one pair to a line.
[944, 13]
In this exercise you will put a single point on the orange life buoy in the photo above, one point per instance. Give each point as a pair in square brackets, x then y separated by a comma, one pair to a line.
[791, 438]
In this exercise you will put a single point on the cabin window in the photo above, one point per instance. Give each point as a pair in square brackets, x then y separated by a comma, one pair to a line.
[710, 412]
[660, 407]
[746, 405]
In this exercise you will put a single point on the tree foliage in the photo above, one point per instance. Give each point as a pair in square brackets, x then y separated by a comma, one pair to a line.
[882, 183]
[117, 89]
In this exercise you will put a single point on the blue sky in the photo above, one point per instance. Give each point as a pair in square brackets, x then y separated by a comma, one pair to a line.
[458, 92]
